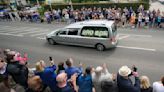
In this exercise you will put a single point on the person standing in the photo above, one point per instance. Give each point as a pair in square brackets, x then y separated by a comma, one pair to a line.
[84, 81]
[159, 86]
[145, 84]
[139, 19]
[61, 67]
[123, 19]
[47, 74]
[99, 75]
[18, 71]
[65, 85]
[70, 70]
[124, 82]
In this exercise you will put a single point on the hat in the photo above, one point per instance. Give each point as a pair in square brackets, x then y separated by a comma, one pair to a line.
[124, 71]
[98, 69]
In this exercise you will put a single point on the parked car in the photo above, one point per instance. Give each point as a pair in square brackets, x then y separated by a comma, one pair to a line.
[101, 34]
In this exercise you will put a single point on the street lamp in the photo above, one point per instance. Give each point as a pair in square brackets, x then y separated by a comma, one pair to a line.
[16, 3]
[48, 2]
[37, 2]
[70, 2]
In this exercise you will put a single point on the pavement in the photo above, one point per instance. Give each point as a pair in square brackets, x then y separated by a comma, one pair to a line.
[141, 47]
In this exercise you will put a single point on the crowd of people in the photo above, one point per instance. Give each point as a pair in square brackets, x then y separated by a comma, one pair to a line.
[15, 76]
[124, 17]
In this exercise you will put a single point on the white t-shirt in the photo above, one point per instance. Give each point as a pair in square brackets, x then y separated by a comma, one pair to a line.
[158, 87]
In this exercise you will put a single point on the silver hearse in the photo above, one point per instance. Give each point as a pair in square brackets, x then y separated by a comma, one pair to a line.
[101, 34]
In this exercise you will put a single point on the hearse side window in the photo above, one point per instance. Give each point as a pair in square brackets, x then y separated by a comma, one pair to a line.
[87, 31]
[101, 32]
[73, 32]
[62, 32]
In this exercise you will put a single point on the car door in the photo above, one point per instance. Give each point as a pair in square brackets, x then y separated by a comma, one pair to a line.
[72, 36]
[60, 36]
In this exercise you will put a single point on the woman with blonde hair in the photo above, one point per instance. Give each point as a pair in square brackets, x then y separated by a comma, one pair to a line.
[145, 84]
[47, 74]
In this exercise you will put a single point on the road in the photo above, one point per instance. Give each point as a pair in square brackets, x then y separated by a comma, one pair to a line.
[141, 47]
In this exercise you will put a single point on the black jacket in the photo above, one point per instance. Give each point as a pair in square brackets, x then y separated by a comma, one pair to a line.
[125, 85]
[150, 89]
[18, 72]
[109, 86]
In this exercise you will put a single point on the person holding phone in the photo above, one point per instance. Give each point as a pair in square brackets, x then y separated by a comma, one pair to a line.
[124, 82]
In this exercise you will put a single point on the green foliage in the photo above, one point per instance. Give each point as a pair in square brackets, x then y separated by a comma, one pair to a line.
[146, 1]
[103, 5]
[80, 1]
[41, 11]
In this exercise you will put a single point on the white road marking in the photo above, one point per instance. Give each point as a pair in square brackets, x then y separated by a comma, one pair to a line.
[11, 34]
[7, 27]
[137, 35]
[39, 34]
[4, 26]
[19, 31]
[34, 31]
[137, 48]
[42, 38]
[123, 37]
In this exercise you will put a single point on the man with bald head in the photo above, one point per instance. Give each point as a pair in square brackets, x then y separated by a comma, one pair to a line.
[66, 86]
[71, 69]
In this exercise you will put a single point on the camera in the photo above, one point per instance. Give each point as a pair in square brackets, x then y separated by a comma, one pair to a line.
[134, 69]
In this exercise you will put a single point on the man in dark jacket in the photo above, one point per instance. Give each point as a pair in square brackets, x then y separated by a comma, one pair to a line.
[18, 72]
[109, 86]
[124, 83]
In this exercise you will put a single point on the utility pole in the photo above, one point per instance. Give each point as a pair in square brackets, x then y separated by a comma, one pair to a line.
[38, 2]
[16, 3]
[70, 2]
[50, 3]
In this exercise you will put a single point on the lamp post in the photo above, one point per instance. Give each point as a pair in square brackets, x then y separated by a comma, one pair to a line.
[16, 3]
[70, 2]
[37, 2]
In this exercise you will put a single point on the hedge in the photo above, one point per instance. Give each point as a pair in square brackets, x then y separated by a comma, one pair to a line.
[102, 5]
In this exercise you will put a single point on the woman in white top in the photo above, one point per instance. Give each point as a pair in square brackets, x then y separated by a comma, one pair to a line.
[159, 86]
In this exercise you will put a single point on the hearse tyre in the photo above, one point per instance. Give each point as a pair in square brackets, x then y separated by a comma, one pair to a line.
[100, 47]
[51, 41]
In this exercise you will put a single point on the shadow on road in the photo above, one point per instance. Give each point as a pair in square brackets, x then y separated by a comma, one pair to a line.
[80, 50]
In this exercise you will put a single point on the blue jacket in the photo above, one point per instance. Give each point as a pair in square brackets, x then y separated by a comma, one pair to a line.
[85, 83]
[48, 77]
[72, 70]
[125, 85]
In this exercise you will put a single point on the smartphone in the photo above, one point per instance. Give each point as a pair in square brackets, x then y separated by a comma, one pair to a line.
[50, 58]
[134, 68]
